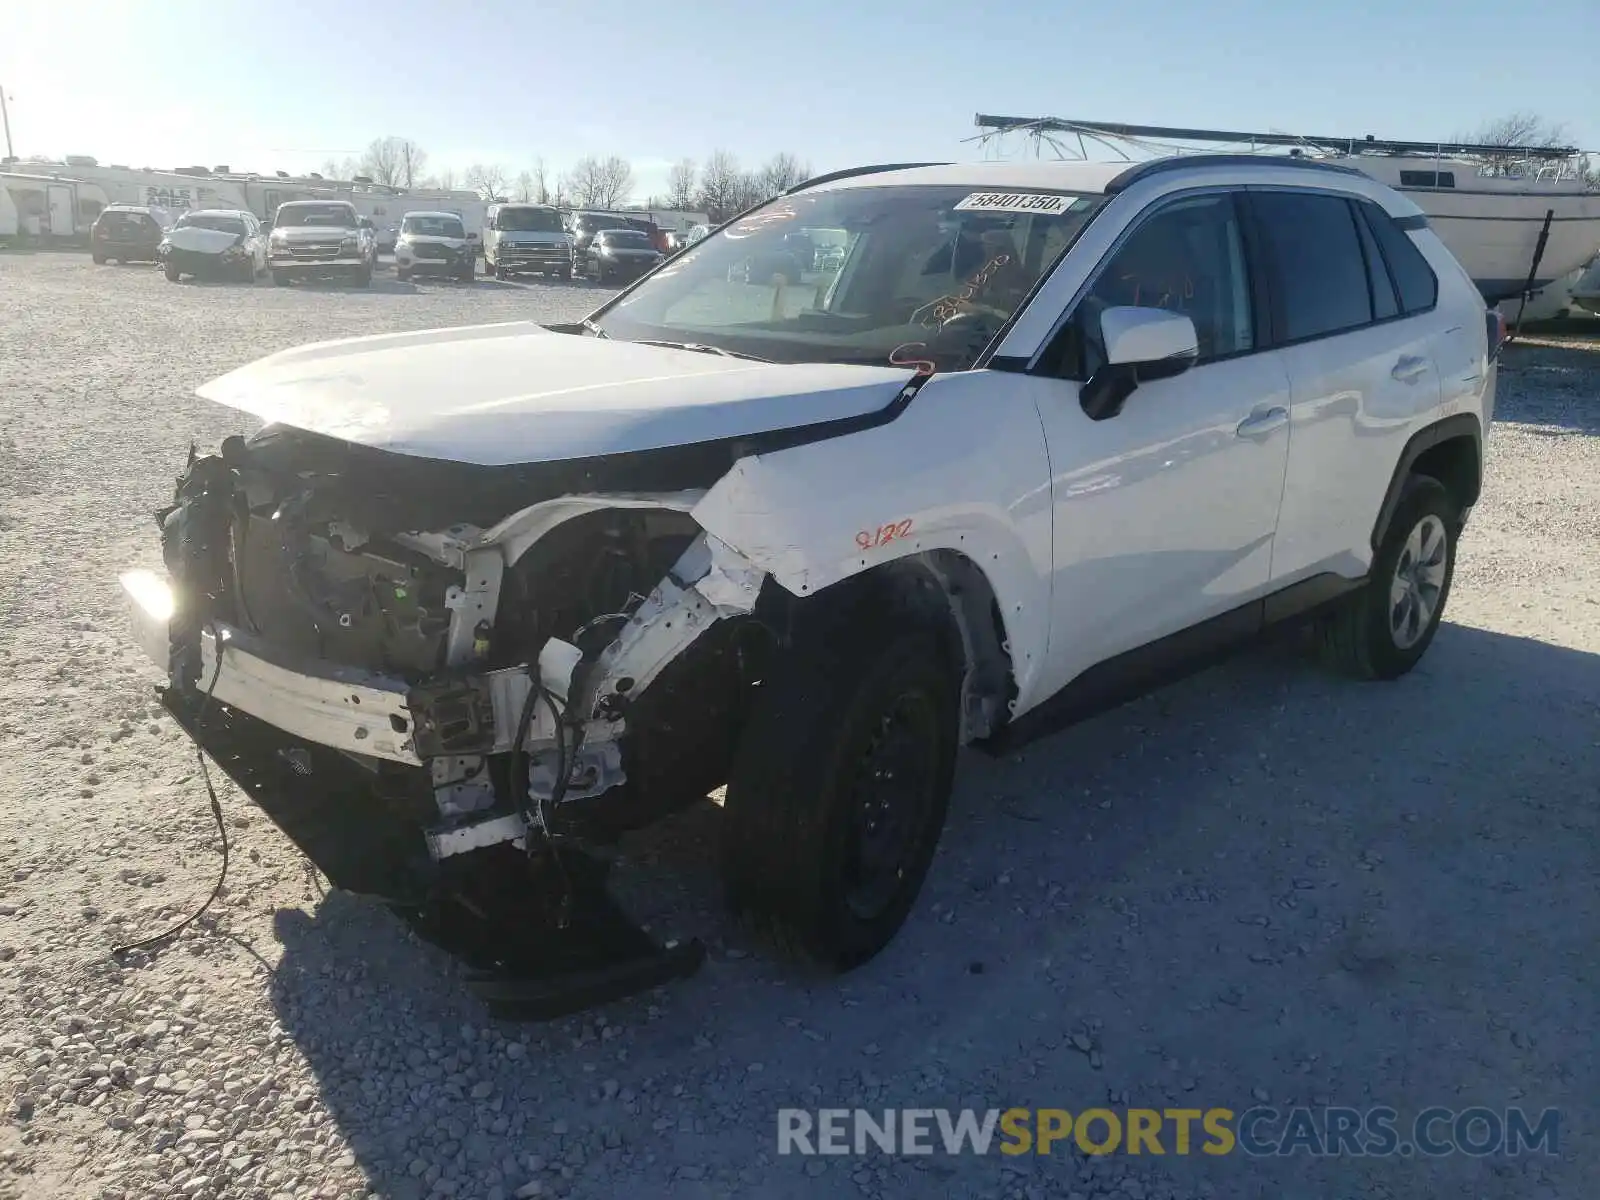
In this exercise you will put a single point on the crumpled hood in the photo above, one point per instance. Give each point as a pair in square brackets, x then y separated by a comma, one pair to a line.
[509, 393]
[205, 241]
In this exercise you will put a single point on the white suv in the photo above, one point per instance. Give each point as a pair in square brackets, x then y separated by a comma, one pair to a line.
[1039, 437]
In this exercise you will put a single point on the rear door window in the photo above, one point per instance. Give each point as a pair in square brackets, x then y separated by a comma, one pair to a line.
[1318, 267]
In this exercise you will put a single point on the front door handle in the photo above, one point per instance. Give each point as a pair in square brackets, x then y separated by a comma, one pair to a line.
[1263, 422]
[1409, 369]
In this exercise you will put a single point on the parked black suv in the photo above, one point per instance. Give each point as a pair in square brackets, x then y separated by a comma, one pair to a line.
[127, 233]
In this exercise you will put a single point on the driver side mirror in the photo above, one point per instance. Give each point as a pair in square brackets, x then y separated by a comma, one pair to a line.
[1141, 345]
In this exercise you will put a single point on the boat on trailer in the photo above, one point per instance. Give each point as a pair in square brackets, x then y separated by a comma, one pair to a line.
[1518, 218]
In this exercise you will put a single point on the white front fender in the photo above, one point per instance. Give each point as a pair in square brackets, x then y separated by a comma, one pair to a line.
[963, 469]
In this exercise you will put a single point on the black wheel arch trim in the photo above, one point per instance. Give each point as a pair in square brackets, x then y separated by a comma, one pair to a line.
[1461, 425]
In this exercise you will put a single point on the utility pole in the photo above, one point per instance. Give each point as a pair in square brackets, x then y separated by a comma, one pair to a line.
[5, 119]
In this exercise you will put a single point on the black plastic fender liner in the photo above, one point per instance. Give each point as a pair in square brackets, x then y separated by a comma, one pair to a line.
[1457, 426]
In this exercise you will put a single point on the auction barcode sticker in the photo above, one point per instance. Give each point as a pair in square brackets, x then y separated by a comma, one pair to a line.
[1017, 202]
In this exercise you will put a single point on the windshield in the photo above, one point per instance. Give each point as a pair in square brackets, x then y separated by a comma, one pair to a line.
[628, 239]
[907, 274]
[336, 216]
[450, 227]
[210, 221]
[528, 220]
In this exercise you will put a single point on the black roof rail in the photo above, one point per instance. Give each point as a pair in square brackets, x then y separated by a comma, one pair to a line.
[1178, 162]
[849, 172]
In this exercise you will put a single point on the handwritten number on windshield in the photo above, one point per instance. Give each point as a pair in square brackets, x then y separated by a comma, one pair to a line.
[938, 313]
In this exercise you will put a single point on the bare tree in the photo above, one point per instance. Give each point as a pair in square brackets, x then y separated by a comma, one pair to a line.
[524, 188]
[1519, 129]
[681, 184]
[541, 182]
[490, 179]
[722, 186]
[380, 162]
[444, 180]
[782, 172]
[600, 183]
[340, 168]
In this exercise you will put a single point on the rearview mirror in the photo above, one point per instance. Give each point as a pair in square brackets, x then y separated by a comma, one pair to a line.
[1141, 345]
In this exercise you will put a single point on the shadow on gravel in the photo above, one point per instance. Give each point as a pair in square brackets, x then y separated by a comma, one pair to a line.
[1260, 882]
[1551, 382]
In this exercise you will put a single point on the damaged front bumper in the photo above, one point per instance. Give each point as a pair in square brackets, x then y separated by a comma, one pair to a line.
[557, 723]
[343, 708]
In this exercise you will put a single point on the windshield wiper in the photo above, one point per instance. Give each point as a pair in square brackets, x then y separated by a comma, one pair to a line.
[702, 348]
[591, 327]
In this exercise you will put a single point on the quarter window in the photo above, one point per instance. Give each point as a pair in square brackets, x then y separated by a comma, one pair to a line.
[1187, 258]
[1319, 269]
[1384, 302]
[1414, 280]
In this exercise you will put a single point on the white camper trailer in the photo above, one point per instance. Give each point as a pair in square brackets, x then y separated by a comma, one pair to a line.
[172, 190]
[52, 208]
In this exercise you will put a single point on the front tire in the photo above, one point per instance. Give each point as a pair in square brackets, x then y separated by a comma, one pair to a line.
[363, 276]
[403, 275]
[840, 786]
[172, 273]
[280, 279]
[99, 260]
[1383, 630]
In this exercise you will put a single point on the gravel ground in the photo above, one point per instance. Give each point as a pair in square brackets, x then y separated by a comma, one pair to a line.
[1260, 885]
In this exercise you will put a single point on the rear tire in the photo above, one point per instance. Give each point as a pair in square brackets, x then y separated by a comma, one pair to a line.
[1383, 630]
[364, 276]
[402, 274]
[172, 273]
[840, 786]
[99, 259]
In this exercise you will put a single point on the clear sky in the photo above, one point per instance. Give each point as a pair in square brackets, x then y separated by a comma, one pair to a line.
[288, 84]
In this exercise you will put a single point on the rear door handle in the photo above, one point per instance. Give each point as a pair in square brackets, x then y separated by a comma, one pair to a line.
[1409, 369]
[1263, 422]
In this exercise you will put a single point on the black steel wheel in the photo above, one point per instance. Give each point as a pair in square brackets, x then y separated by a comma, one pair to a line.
[839, 788]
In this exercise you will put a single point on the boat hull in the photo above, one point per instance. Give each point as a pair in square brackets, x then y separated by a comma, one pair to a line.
[1586, 292]
[1494, 234]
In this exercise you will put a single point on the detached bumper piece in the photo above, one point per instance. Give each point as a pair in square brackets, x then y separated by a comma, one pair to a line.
[335, 758]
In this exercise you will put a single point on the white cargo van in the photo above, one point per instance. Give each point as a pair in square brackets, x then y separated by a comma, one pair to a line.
[526, 239]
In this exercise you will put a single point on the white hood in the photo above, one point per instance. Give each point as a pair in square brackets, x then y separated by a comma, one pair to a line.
[205, 241]
[518, 393]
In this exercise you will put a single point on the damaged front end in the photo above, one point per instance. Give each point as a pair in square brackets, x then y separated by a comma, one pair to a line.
[461, 664]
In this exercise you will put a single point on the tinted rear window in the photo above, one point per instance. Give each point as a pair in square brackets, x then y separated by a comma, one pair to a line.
[1321, 274]
[1413, 277]
[127, 222]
